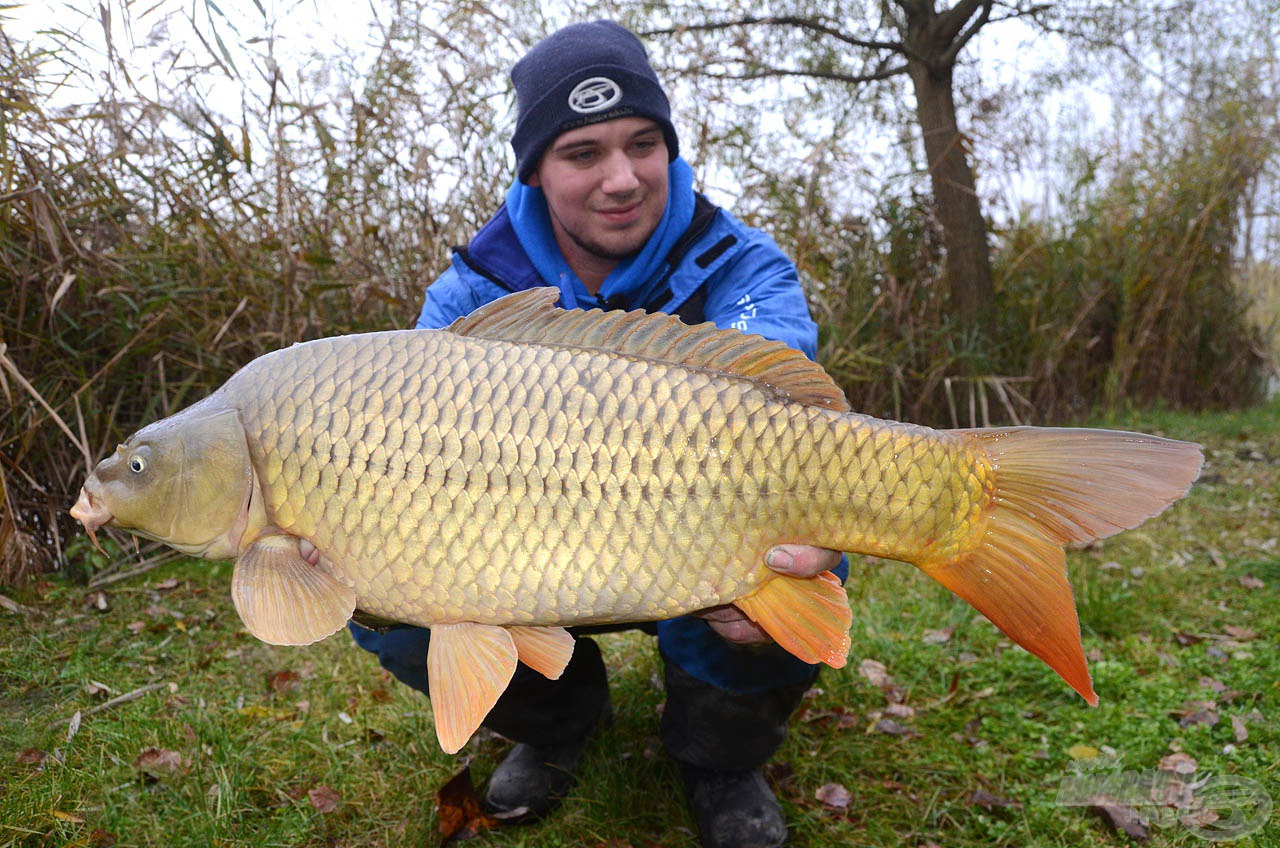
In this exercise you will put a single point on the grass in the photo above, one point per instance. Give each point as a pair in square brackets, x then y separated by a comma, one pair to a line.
[254, 730]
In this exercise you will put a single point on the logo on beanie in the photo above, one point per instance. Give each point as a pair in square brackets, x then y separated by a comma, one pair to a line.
[593, 95]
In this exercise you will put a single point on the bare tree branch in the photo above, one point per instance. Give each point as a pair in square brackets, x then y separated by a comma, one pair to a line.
[772, 73]
[786, 20]
[963, 37]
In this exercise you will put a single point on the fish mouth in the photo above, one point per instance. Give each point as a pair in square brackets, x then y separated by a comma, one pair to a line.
[91, 515]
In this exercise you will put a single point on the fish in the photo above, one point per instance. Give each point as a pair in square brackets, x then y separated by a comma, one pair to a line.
[530, 468]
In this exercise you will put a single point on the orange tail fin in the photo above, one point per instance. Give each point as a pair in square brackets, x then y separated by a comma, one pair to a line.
[1055, 487]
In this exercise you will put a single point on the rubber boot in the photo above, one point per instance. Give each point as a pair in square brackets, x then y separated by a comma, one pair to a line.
[551, 722]
[721, 739]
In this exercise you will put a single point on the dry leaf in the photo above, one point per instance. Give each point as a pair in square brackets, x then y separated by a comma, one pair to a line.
[938, 637]
[70, 818]
[1083, 752]
[875, 671]
[458, 809]
[900, 711]
[1179, 763]
[1250, 582]
[1120, 818]
[282, 681]
[158, 761]
[893, 728]
[1186, 639]
[30, 757]
[1238, 728]
[324, 799]
[834, 795]
[166, 584]
[1240, 634]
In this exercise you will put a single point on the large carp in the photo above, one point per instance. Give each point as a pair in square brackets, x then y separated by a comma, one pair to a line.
[531, 468]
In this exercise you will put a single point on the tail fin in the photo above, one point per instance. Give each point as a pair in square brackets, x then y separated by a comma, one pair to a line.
[1054, 487]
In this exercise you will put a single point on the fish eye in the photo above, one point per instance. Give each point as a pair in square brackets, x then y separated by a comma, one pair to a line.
[138, 462]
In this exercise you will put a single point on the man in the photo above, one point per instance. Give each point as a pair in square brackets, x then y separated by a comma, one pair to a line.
[604, 209]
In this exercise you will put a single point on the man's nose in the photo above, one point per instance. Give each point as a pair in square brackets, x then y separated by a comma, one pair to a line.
[619, 174]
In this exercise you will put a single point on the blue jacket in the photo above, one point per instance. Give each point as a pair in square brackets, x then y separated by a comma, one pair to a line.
[722, 271]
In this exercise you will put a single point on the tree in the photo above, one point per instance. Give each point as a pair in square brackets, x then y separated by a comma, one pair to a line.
[869, 43]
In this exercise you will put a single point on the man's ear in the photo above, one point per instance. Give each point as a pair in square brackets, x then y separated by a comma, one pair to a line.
[534, 181]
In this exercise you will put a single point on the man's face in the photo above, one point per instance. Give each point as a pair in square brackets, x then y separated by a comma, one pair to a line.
[606, 189]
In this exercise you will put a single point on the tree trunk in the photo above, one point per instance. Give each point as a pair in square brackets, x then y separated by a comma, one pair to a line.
[964, 231]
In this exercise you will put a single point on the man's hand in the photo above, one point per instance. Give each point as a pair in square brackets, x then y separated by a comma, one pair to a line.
[793, 560]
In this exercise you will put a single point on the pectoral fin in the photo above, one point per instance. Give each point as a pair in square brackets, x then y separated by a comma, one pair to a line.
[810, 617]
[469, 667]
[546, 650]
[284, 601]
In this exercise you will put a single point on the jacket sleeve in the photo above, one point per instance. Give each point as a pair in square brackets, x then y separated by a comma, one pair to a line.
[759, 292]
[454, 295]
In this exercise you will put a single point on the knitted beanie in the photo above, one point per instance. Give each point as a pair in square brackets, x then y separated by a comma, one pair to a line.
[583, 74]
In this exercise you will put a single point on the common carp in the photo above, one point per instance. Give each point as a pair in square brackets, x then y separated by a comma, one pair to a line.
[531, 468]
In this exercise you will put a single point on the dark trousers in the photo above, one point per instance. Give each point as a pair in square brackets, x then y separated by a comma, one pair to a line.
[704, 724]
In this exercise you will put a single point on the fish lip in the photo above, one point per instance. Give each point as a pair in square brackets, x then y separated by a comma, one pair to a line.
[91, 515]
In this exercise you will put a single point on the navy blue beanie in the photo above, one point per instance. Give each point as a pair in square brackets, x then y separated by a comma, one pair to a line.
[583, 74]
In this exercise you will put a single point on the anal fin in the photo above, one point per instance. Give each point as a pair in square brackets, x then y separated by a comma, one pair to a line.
[810, 617]
[469, 666]
[547, 650]
[282, 599]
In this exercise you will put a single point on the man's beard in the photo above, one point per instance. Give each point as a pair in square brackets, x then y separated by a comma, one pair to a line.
[597, 249]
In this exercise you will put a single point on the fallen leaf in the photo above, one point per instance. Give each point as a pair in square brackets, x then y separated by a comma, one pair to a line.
[1178, 763]
[1083, 752]
[158, 761]
[1196, 712]
[99, 838]
[166, 584]
[1240, 634]
[875, 672]
[1120, 818]
[1250, 582]
[136, 627]
[938, 637]
[459, 812]
[834, 795]
[1237, 727]
[989, 801]
[97, 601]
[70, 818]
[1215, 685]
[73, 726]
[893, 728]
[283, 681]
[323, 798]
[1187, 639]
[900, 711]
[30, 757]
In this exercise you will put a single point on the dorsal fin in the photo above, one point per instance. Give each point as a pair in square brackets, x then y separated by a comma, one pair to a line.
[530, 317]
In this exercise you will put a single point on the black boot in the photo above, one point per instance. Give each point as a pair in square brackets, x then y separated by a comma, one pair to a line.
[733, 809]
[551, 722]
[721, 739]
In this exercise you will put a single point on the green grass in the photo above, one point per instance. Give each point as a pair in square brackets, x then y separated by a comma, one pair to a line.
[987, 715]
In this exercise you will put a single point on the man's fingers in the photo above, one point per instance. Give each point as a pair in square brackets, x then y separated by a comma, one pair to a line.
[801, 560]
[730, 624]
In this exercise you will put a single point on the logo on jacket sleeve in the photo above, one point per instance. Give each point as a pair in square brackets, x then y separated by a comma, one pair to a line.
[593, 95]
